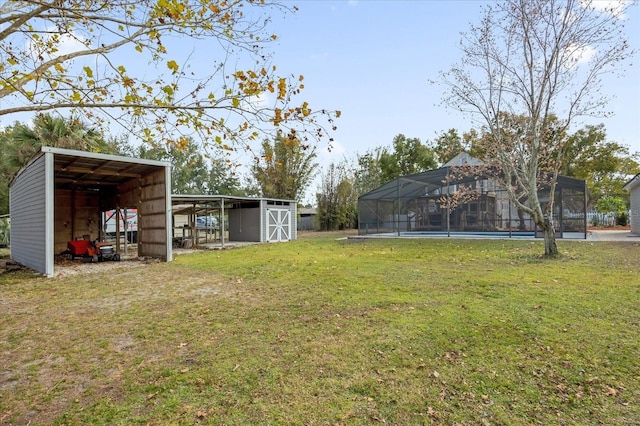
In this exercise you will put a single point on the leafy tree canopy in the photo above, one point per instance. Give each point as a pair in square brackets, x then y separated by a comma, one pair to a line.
[337, 198]
[366, 173]
[605, 165]
[164, 70]
[192, 172]
[409, 156]
[19, 142]
[285, 168]
[611, 204]
[450, 143]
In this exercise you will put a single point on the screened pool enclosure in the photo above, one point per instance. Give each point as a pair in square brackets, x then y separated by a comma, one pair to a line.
[437, 203]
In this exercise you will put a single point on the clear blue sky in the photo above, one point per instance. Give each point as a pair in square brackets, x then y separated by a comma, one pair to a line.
[373, 60]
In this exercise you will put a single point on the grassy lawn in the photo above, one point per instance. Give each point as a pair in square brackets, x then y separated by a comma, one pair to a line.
[320, 331]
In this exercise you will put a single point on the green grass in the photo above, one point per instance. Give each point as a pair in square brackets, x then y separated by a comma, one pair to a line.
[320, 331]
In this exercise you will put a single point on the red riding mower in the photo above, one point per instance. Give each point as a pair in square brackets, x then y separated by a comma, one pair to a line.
[91, 251]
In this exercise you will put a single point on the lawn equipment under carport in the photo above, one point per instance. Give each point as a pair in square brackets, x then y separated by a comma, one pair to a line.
[91, 251]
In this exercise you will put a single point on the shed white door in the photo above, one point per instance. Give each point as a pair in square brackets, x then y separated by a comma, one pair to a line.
[278, 225]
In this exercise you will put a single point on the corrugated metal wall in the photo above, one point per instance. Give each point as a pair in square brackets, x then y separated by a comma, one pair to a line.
[293, 207]
[29, 216]
[306, 223]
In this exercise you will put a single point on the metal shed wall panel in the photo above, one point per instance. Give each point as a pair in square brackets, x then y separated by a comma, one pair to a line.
[294, 221]
[244, 224]
[264, 232]
[58, 196]
[30, 219]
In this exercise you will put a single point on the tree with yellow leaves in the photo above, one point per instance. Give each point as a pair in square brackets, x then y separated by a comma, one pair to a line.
[285, 168]
[137, 63]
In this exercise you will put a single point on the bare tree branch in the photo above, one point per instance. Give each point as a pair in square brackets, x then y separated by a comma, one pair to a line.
[526, 74]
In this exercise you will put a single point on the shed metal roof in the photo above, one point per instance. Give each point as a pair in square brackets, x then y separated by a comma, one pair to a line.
[98, 170]
[89, 169]
[185, 203]
[206, 198]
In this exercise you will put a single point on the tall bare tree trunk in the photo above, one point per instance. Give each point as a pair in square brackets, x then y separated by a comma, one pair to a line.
[550, 246]
[525, 75]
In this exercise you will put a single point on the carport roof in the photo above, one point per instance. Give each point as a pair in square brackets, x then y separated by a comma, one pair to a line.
[97, 170]
[182, 203]
[206, 198]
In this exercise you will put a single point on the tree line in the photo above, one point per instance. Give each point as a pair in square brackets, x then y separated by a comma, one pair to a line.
[285, 167]
[605, 166]
[282, 170]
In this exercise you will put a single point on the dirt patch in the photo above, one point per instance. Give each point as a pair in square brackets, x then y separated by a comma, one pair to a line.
[66, 267]
[74, 342]
[8, 265]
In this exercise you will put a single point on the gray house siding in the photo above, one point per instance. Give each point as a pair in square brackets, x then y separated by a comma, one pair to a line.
[635, 209]
[30, 194]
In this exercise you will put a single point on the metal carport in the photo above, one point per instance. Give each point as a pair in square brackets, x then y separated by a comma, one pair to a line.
[247, 219]
[59, 194]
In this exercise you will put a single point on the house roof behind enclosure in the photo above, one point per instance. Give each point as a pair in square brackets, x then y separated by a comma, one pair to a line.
[410, 187]
[635, 181]
[463, 159]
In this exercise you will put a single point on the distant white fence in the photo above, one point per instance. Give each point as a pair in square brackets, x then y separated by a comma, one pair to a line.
[600, 219]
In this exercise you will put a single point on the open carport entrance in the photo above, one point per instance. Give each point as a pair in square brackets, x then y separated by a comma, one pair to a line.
[60, 194]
